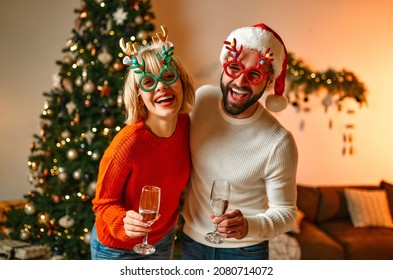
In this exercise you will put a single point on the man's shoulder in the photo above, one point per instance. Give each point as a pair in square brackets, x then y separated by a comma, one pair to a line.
[207, 89]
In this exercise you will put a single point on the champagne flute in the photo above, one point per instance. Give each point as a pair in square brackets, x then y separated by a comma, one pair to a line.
[149, 206]
[219, 200]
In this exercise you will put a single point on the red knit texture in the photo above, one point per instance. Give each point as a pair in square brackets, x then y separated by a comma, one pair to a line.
[136, 158]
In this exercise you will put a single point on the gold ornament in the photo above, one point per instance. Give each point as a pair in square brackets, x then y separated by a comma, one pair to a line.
[118, 66]
[89, 87]
[29, 208]
[72, 154]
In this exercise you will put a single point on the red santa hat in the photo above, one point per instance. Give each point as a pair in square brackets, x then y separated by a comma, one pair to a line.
[261, 38]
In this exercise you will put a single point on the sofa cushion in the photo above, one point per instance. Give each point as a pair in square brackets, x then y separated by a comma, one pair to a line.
[307, 201]
[316, 244]
[389, 191]
[361, 243]
[333, 204]
[368, 208]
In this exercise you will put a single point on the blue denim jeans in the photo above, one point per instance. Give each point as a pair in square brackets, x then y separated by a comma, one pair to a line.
[164, 249]
[193, 250]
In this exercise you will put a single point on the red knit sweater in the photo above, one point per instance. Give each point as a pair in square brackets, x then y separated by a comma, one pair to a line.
[136, 158]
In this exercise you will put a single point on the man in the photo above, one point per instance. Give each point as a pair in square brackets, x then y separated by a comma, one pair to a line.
[234, 137]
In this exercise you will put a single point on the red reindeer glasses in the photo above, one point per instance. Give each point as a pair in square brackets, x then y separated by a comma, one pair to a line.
[234, 68]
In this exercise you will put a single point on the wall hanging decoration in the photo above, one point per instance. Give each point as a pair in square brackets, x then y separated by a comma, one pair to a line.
[338, 87]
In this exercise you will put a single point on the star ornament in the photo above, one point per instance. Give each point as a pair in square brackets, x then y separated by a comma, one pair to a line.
[105, 90]
[120, 16]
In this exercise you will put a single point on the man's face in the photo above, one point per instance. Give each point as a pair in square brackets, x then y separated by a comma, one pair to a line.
[240, 96]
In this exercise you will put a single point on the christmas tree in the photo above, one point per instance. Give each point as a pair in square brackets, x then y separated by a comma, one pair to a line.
[81, 115]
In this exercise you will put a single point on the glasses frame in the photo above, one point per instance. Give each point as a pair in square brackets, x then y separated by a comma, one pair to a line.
[245, 71]
[158, 78]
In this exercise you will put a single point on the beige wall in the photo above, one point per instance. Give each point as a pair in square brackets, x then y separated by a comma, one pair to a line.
[355, 35]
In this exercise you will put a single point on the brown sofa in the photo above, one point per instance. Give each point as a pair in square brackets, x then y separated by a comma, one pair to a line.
[327, 232]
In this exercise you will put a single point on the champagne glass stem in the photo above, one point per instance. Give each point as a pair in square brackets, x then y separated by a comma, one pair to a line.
[145, 239]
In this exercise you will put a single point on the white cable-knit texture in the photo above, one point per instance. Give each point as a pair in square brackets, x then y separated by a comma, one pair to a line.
[257, 155]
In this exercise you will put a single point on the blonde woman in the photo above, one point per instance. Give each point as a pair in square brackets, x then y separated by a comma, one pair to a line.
[152, 149]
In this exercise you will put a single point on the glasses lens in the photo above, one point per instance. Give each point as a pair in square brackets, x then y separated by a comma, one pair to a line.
[147, 82]
[168, 76]
[255, 76]
[233, 69]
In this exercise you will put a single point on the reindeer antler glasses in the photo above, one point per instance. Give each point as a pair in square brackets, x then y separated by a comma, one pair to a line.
[234, 68]
[148, 82]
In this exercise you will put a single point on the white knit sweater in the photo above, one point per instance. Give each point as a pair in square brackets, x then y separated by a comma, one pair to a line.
[257, 155]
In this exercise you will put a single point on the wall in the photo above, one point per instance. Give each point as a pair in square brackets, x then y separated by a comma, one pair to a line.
[355, 35]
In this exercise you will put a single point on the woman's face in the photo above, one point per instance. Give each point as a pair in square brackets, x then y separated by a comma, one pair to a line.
[165, 101]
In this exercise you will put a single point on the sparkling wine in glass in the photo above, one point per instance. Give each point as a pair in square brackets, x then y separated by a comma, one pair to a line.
[219, 200]
[149, 206]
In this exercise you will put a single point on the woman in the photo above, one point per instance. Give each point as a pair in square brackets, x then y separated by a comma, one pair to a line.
[153, 149]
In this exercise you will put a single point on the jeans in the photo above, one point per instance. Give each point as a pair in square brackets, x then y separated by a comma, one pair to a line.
[164, 249]
[193, 250]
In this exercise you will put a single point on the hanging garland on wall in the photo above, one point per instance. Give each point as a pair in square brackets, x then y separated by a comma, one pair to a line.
[302, 82]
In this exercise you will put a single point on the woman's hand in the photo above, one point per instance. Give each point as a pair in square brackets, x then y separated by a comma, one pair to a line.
[134, 226]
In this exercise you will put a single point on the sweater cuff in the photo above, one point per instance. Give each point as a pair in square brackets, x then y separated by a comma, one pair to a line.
[253, 227]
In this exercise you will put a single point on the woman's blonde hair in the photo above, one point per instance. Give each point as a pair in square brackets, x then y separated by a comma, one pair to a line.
[135, 108]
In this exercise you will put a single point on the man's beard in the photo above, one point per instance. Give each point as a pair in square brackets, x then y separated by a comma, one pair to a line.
[237, 108]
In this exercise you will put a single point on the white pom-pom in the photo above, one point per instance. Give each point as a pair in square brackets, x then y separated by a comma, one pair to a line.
[276, 103]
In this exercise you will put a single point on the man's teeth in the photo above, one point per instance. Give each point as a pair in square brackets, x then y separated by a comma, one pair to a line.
[237, 91]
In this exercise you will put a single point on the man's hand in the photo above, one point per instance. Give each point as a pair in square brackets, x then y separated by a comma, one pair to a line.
[231, 224]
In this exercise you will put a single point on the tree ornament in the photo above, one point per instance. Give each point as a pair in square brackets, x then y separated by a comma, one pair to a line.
[65, 134]
[87, 237]
[78, 81]
[76, 119]
[119, 100]
[70, 107]
[118, 66]
[138, 19]
[29, 208]
[91, 189]
[88, 103]
[68, 85]
[77, 174]
[95, 156]
[43, 218]
[105, 89]
[68, 59]
[56, 80]
[89, 87]
[72, 154]
[89, 135]
[66, 221]
[63, 176]
[105, 57]
[55, 198]
[120, 16]
[24, 235]
[109, 121]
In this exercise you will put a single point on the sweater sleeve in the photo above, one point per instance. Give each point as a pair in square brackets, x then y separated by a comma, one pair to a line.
[108, 203]
[280, 184]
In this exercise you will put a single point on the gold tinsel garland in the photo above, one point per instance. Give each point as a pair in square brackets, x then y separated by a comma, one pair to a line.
[303, 82]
